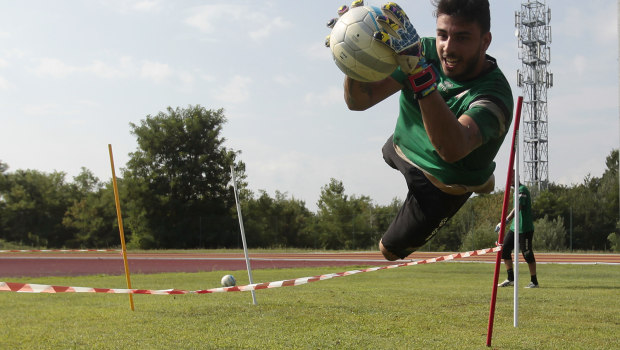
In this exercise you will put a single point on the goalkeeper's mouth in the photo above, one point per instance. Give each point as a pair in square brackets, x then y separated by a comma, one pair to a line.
[450, 63]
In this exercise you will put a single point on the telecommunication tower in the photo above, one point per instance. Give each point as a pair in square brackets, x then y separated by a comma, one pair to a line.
[534, 34]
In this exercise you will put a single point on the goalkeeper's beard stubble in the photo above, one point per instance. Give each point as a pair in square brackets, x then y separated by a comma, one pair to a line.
[466, 65]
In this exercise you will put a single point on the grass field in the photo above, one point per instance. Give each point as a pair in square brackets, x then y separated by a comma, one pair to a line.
[437, 306]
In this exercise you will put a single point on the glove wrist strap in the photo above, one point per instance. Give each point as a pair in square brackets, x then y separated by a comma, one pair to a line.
[423, 82]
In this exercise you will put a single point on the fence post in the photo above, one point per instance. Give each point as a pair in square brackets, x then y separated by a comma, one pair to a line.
[353, 232]
[571, 229]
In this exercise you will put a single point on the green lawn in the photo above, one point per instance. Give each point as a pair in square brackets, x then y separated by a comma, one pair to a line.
[437, 306]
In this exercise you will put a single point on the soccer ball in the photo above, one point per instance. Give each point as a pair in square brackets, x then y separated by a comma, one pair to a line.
[354, 50]
[228, 281]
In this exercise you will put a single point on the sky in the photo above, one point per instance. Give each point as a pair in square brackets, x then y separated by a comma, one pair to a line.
[75, 74]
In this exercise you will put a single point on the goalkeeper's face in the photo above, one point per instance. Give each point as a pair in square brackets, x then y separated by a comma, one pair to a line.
[461, 47]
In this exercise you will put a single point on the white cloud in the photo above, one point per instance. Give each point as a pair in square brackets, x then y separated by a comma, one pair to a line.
[593, 99]
[128, 6]
[286, 81]
[5, 84]
[90, 103]
[207, 77]
[58, 69]
[103, 70]
[14, 53]
[580, 64]
[148, 5]
[47, 108]
[53, 67]
[4, 34]
[236, 91]
[75, 122]
[317, 51]
[3, 63]
[187, 81]
[204, 17]
[186, 78]
[44, 109]
[264, 32]
[332, 95]
[599, 23]
[155, 71]
[209, 17]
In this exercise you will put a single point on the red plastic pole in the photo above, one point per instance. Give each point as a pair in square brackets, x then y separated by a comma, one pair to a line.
[498, 260]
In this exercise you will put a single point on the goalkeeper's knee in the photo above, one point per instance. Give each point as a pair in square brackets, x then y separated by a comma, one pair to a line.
[529, 256]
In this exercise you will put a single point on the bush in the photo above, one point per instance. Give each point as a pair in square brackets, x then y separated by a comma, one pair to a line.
[549, 235]
[614, 239]
[482, 237]
[4, 245]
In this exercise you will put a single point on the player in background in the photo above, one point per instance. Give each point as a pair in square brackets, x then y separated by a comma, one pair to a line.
[455, 111]
[526, 234]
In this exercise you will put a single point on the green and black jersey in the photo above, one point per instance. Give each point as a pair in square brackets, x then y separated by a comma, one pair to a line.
[487, 99]
[525, 213]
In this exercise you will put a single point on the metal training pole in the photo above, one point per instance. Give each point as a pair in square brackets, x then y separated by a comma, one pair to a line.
[517, 233]
[120, 226]
[245, 246]
[500, 241]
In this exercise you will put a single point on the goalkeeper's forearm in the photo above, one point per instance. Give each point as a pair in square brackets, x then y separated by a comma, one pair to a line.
[360, 96]
[511, 215]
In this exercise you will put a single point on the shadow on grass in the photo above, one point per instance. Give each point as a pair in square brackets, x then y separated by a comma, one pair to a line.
[582, 287]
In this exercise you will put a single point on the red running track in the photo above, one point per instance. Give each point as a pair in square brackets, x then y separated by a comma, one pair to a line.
[82, 264]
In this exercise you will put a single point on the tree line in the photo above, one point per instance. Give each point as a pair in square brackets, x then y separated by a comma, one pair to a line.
[176, 192]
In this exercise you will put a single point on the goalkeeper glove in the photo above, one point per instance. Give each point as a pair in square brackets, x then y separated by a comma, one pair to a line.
[499, 226]
[400, 35]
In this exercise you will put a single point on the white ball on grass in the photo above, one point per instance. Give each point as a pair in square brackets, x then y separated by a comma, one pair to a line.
[228, 281]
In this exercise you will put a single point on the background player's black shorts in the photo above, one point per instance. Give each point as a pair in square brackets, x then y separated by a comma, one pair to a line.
[425, 211]
[525, 243]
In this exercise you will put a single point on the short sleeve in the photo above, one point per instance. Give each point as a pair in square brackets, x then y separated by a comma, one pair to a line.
[491, 116]
[522, 197]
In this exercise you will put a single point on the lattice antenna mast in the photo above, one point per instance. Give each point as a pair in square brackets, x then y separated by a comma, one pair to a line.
[534, 33]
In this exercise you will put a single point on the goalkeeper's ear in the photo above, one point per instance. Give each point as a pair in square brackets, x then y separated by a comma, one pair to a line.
[486, 41]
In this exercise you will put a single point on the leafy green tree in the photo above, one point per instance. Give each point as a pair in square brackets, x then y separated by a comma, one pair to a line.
[550, 235]
[178, 180]
[341, 216]
[92, 217]
[3, 168]
[278, 221]
[33, 205]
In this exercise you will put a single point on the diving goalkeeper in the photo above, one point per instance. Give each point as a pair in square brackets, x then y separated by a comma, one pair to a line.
[455, 111]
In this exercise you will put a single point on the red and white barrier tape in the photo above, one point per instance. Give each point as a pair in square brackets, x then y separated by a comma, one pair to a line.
[59, 250]
[40, 288]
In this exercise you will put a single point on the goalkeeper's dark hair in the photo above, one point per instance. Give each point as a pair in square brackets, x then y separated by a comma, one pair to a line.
[469, 10]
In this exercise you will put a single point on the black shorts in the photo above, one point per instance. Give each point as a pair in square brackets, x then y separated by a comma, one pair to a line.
[525, 243]
[425, 211]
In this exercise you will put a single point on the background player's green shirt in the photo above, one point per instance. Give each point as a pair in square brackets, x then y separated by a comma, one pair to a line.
[525, 213]
[487, 99]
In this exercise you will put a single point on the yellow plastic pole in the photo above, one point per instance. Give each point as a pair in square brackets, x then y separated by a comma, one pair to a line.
[120, 226]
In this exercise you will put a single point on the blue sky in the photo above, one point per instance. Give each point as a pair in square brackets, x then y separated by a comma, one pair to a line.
[74, 74]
